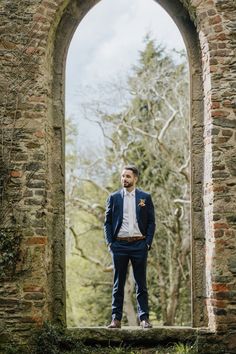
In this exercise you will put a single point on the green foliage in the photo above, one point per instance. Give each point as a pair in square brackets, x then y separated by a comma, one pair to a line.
[15, 349]
[52, 339]
[88, 282]
[181, 348]
[88, 292]
[10, 241]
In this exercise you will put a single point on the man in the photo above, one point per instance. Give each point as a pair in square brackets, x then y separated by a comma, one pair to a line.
[129, 228]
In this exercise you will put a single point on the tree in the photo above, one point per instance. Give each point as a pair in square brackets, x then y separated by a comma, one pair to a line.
[89, 277]
[151, 130]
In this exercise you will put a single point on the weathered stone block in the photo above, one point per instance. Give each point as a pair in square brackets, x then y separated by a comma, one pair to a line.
[232, 265]
[198, 225]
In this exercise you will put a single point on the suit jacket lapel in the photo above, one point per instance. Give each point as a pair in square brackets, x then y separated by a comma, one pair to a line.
[121, 202]
[137, 198]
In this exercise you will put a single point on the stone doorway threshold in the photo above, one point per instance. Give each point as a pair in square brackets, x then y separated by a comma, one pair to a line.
[137, 335]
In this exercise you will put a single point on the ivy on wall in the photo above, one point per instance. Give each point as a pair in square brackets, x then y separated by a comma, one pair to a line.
[10, 241]
[16, 90]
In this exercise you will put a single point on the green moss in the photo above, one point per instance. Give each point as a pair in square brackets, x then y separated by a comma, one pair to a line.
[190, 9]
[10, 241]
[51, 339]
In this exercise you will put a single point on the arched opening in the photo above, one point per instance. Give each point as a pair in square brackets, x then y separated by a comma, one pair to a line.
[69, 22]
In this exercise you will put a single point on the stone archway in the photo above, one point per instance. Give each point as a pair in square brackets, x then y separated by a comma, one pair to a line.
[69, 22]
[34, 43]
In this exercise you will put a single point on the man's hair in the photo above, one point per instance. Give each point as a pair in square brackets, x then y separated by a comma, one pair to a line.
[133, 169]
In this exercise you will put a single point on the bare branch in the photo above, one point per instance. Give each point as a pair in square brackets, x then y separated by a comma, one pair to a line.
[152, 136]
[95, 209]
[95, 284]
[166, 126]
[82, 254]
[182, 201]
[94, 184]
[183, 168]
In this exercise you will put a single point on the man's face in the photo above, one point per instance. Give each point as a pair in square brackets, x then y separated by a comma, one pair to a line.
[128, 179]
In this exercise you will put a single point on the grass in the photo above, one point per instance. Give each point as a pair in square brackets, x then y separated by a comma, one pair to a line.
[83, 349]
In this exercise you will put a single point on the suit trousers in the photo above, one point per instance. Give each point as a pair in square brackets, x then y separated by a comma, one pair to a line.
[136, 252]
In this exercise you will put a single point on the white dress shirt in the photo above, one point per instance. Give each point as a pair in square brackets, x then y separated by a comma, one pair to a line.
[129, 225]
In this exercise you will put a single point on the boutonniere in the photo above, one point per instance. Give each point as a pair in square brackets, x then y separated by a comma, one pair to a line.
[142, 203]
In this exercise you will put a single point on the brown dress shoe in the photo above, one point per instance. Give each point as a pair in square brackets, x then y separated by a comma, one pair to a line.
[145, 324]
[115, 324]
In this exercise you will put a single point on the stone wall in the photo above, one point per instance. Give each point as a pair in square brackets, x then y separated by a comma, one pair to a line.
[216, 21]
[34, 42]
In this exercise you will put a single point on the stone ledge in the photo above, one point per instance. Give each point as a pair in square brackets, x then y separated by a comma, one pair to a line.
[136, 335]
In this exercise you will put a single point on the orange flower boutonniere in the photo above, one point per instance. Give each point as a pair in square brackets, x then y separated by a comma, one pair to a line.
[142, 203]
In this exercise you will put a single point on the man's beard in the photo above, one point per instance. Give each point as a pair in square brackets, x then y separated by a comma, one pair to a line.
[127, 184]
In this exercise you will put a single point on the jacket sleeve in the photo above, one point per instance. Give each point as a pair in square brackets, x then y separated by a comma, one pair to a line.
[151, 225]
[108, 220]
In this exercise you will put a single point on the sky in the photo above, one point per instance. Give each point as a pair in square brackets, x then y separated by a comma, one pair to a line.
[105, 46]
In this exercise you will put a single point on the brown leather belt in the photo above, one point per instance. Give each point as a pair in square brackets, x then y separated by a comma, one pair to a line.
[130, 238]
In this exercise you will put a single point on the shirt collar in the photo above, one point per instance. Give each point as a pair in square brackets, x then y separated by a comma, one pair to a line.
[129, 193]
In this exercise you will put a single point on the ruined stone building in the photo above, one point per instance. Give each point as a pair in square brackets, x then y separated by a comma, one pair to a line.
[35, 36]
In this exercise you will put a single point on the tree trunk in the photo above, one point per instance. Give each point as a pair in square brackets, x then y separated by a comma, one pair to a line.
[163, 297]
[129, 309]
[174, 298]
[175, 275]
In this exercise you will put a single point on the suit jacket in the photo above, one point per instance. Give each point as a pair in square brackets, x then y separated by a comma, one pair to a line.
[144, 212]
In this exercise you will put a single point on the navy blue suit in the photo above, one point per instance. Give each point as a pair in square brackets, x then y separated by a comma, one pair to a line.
[123, 251]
